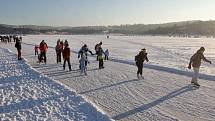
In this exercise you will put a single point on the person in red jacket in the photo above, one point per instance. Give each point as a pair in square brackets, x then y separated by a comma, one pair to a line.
[43, 49]
[66, 57]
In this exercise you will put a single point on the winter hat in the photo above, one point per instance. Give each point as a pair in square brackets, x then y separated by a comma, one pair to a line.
[66, 44]
[202, 49]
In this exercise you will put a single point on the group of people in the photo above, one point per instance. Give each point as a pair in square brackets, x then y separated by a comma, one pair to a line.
[83, 53]
[62, 48]
[16, 39]
[9, 38]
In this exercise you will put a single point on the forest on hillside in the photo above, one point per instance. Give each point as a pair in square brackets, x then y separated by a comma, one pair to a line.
[185, 28]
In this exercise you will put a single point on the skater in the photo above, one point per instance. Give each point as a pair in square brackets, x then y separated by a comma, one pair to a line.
[58, 49]
[36, 48]
[20, 38]
[139, 59]
[66, 42]
[100, 58]
[83, 51]
[97, 48]
[106, 54]
[18, 47]
[43, 49]
[61, 43]
[195, 62]
[82, 62]
[66, 57]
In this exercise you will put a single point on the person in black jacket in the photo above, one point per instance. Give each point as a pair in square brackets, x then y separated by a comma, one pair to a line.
[97, 48]
[139, 59]
[84, 50]
[18, 47]
[100, 58]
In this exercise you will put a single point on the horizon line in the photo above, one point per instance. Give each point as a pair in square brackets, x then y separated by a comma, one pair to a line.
[55, 26]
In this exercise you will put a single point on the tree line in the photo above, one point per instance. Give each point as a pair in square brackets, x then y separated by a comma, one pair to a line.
[185, 28]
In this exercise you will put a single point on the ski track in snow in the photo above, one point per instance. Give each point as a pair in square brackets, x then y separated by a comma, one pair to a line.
[25, 94]
[164, 94]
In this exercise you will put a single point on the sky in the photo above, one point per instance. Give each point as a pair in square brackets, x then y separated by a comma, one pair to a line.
[103, 12]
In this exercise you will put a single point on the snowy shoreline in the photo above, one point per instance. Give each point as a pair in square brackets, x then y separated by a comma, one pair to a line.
[88, 109]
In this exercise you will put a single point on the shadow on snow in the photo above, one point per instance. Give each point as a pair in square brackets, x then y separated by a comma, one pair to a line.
[169, 70]
[153, 103]
[107, 86]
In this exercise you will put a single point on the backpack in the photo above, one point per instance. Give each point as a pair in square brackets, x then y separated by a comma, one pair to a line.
[96, 46]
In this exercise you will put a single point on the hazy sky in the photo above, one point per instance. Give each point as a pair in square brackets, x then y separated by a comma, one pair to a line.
[103, 12]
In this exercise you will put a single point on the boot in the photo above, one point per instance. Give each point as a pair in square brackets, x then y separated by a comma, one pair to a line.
[138, 76]
[196, 84]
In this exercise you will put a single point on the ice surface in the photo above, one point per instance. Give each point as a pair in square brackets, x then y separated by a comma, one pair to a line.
[164, 95]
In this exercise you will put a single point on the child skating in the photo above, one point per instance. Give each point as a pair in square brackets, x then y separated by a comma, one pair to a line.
[106, 54]
[36, 50]
[84, 51]
[82, 62]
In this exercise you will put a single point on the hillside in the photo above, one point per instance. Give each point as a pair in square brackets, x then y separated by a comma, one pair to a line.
[184, 28]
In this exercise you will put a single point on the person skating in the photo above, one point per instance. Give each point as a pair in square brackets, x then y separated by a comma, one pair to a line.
[139, 59]
[97, 48]
[106, 54]
[43, 49]
[61, 43]
[18, 47]
[58, 49]
[195, 62]
[83, 51]
[66, 57]
[100, 58]
[66, 42]
[36, 49]
[82, 62]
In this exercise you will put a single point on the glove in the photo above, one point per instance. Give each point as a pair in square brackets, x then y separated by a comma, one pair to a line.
[189, 67]
[210, 62]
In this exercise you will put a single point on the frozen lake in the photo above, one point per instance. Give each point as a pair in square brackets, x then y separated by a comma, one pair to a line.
[162, 51]
[164, 94]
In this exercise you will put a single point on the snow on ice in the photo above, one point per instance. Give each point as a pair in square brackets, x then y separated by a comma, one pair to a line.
[164, 95]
